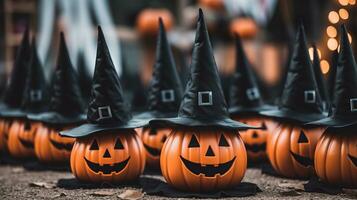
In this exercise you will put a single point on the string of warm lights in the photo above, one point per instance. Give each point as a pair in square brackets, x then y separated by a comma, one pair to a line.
[334, 17]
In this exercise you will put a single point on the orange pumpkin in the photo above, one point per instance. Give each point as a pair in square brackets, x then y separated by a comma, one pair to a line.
[146, 23]
[336, 158]
[21, 138]
[153, 139]
[50, 147]
[115, 156]
[255, 139]
[4, 133]
[245, 27]
[203, 159]
[291, 150]
[213, 4]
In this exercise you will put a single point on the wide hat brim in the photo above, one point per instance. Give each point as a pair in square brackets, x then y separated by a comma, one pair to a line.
[56, 118]
[335, 122]
[88, 129]
[234, 110]
[13, 113]
[288, 114]
[224, 123]
[154, 115]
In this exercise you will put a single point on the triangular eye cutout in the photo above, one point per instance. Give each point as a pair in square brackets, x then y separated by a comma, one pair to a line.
[223, 142]
[302, 138]
[118, 144]
[264, 127]
[193, 142]
[94, 145]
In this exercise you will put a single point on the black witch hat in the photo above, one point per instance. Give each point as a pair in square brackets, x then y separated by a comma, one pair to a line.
[321, 83]
[345, 94]
[245, 95]
[35, 96]
[13, 95]
[84, 78]
[300, 100]
[165, 91]
[203, 103]
[107, 108]
[66, 106]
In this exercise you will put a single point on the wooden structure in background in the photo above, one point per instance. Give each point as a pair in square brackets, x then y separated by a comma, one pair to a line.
[17, 13]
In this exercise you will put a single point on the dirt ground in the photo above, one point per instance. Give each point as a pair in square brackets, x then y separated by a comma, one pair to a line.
[19, 183]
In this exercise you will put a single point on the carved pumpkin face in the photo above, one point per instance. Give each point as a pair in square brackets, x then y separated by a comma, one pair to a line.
[291, 150]
[114, 156]
[147, 21]
[254, 139]
[153, 140]
[203, 159]
[336, 158]
[4, 133]
[21, 138]
[50, 146]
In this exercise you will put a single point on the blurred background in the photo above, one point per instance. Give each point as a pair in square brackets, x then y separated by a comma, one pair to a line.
[266, 26]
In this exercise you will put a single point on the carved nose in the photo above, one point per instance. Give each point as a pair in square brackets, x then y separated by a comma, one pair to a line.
[209, 151]
[106, 154]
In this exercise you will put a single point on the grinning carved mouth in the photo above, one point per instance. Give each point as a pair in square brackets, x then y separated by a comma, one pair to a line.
[107, 168]
[26, 144]
[353, 159]
[152, 151]
[305, 161]
[207, 170]
[60, 146]
[256, 147]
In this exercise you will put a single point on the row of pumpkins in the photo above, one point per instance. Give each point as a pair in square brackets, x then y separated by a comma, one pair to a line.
[198, 149]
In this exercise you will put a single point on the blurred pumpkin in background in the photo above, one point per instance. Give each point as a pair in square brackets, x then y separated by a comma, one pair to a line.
[13, 94]
[65, 111]
[35, 100]
[245, 27]
[146, 23]
[212, 4]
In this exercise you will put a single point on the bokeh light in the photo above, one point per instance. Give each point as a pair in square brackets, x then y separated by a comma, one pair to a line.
[332, 44]
[325, 66]
[331, 31]
[333, 17]
[352, 2]
[343, 13]
[311, 53]
[343, 2]
[349, 38]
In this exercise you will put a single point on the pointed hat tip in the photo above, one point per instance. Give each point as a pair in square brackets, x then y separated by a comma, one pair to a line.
[200, 14]
[161, 25]
[100, 32]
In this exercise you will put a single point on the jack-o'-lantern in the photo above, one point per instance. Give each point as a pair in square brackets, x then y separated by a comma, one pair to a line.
[204, 151]
[164, 97]
[245, 105]
[203, 159]
[21, 138]
[255, 140]
[291, 150]
[336, 152]
[35, 100]
[50, 147]
[12, 96]
[107, 148]
[245, 27]
[114, 156]
[146, 22]
[153, 139]
[65, 111]
[291, 145]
